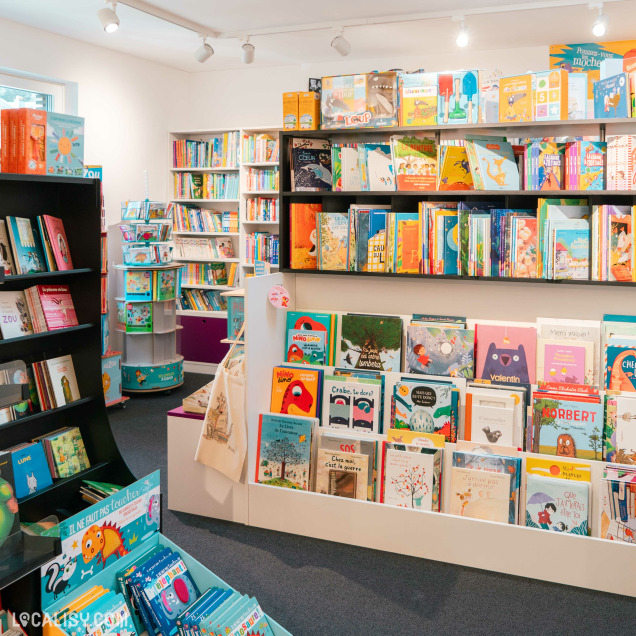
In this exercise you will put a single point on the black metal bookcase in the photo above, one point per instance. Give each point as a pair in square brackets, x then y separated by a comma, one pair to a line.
[407, 201]
[77, 202]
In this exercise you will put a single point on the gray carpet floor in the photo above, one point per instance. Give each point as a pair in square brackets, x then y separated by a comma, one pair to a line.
[321, 588]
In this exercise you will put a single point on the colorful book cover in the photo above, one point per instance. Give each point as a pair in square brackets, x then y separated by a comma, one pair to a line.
[30, 470]
[333, 240]
[139, 317]
[317, 323]
[352, 403]
[283, 450]
[342, 474]
[516, 98]
[308, 347]
[6, 258]
[165, 284]
[14, 315]
[64, 145]
[412, 477]
[558, 505]
[409, 248]
[506, 354]
[550, 168]
[497, 165]
[438, 351]
[565, 361]
[590, 163]
[63, 381]
[27, 245]
[621, 247]
[414, 163]
[377, 241]
[480, 495]
[450, 244]
[10, 516]
[311, 165]
[612, 97]
[568, 428]
[418, 99]
[623, 435]
[424, 407]
[618, 506]
[371, 342]
[57, 306]
[303, 235]
[138, 284]
[58, 242]
[68, 452]
[296, 391]
[454, 170]
[571, 253]
[551, 95]
[415, 438]
[235, 316]
[524, 240]
[377, 170]
[620, 367]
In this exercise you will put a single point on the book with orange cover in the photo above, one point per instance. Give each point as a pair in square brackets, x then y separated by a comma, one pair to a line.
[516, 98]
[296, 391]
[303, 235]
[31, 141]
[409, 247]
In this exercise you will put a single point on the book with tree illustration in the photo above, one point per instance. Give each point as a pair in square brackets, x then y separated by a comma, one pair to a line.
[371, 342]
[283, 450]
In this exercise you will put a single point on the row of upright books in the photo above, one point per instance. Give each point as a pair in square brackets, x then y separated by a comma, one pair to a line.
[478, 162]
[261, 246]
[203, 248]
[209, 274]
[146, 211]
[259, 148]
[192, 219]
[188, 185]
[201, 300]
[146, 232]
[561, 239]
[217, 152]
[262, 209]
[262, 180]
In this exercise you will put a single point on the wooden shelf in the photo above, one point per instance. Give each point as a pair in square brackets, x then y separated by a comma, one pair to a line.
[202, 314]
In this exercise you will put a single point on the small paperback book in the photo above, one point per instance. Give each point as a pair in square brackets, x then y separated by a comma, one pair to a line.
[63, 381]
[342, 474]
[352, 403]
[296, 391]
[283, 450]
[438, 351]
[371, 342]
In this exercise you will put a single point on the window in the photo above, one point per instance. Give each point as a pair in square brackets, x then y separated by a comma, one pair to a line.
[11, 97]
[28, 90]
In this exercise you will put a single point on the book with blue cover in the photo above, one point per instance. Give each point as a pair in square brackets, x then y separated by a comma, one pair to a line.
[437, 351]
[497, 164]
[571, 253]
[612, 97]
[30, 470]
[27, 245]
[312, 323]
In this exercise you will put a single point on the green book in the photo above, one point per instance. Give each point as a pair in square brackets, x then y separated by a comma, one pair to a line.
[138, 317]
[68, 452]
[165, 284]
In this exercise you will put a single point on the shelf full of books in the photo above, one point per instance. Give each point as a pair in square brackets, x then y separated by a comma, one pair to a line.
[403, 419]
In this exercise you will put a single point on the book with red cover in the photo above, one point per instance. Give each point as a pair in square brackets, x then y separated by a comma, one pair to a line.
[59, 243]
[57, 306]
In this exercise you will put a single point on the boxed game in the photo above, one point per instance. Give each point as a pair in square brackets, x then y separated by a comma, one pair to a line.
[290, 111]
[308, 111]
[418, 99]
[459, 97]
[65, 145]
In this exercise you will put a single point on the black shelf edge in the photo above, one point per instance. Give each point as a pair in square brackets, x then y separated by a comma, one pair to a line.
[486, 279]
[44, 276]
[46, 334]
[42, 414]
[45, 178]
[33, 553]
[560, 194]
[58, 483]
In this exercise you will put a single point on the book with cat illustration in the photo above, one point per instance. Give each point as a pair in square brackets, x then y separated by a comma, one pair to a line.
[435, 350]
[371, 342]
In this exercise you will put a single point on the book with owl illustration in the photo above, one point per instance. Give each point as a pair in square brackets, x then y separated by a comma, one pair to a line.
[296, 391]
[425, 407]
[351, 403]
[319, 328]
[303, 247]
[567, 425]
[372, 343]
[333, 240]
[437, 351]
[26, 243]
[342, 474]
[505, 353]
[63, 382]
[14, 315]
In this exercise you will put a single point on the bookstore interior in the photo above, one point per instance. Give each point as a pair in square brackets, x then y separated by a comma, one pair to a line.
[255, 262]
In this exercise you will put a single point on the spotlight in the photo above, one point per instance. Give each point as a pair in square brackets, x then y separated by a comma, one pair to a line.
[462, 36]
[108, 17]
[599, 29]
[247, 52]
[340, 44]
[205, 51]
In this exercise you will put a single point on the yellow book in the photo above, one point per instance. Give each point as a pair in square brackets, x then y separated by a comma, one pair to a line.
[415, 438]
[409, 247]
[559, 468]
[295, 391]
[454, 170]
[516, 98]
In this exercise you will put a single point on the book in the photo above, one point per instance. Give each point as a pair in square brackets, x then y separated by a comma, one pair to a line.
[64, 145]
[505, 354]
[303, 246]
[571, 253]
[283, 450]
[551, 95]
[524, 247]
[490, 417]
[371, 342]
[139, 317]
[30, 469]
[15, 320]
[516, 98]
[138, 284]
[59, 243]
[376, 167]
[618, 499]
[620, 365]
[6, 257]
[296, 391]
[67, 452]
[459, 98]
[414, 162]
[352, 403]
[418, 99]
[54, 304]
[497, 166]
[453, 169]
[437, 351]
[318, 328]
[333, 239]
[10, 514]
[565, 361]
[479, 495]
[164, 284]
[619, 436]
[26, 244]
[342, 474]
[310, 165]
[612, 97]
[63, 382]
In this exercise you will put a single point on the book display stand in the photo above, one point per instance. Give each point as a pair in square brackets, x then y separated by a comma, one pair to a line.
[77, 202]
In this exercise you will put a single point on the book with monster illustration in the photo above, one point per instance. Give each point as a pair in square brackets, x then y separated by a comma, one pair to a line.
[296, 391]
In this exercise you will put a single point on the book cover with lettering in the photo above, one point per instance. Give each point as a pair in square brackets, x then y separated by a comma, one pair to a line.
[565, 361]
[333, 240]
[620, 366]
[30, 469]
[58, 241]
[315, 325]
[63, 381]
[311, 165]
[352, 403]
[27, 245]
[57, 306]
[303, 247]
[15, 320]
[439, 351]
[414, 162]
[296, 391]
[138, 284]
[497, 165]
[571, 253]
[480, 495]
[283, 450]
[371, 342]
[342, 474]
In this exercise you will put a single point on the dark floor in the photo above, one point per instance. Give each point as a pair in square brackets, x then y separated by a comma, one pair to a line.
[328, 589]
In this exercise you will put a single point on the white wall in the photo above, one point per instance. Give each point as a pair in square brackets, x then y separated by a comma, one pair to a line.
[253, 96]
[129, 105]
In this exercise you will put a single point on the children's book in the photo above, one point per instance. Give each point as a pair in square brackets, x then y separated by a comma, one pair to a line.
[523, 247]
[14, 315]
[311, 165]
[138, 284]
[6, 257]
[64, 145]
[376, 167]
[164, 284]
[303, 235]
[56, 304]
[571, 253]
[283, 450]
[480, 495]
[612, 97]
[333, 240]
[412, 477]
[308, 334]
[408, 254]
[618, 504]
[620, 430]
[371, 342]
[549, 166]
[620, 364]
[30, 469]
[516, 98]
[58, 242]
[26, 243]
[296, 391]
[139, 317]
[454, 169]
[62, 379]
[620, 246]
[342, 474]
[505, 354]
[11, 517]
[438, 351]
[352, 403]
[565, 361]
[490, 417]
[414, 162]
[497, 165]
[68, 452]
[418, 99]
[415, 438]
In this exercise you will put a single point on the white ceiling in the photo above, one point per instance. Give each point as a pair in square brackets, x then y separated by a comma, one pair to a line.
[148, 37]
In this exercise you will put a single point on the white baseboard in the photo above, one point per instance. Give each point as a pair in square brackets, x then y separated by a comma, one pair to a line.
[200, 367]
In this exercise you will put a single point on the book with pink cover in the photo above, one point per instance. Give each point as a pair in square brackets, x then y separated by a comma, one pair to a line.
[565, 361]
[57, 306]
[506, 353]
[59, 242]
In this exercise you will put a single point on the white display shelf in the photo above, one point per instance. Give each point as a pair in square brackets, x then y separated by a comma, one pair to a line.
[252, 265]
[201, 286]
[230, 341]
[261, 193]
[260, 164]
[261, 223]
[202, 314]
[237, 293]
[204, 200]
[206, 260]
[176, 233]
[221, 169]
